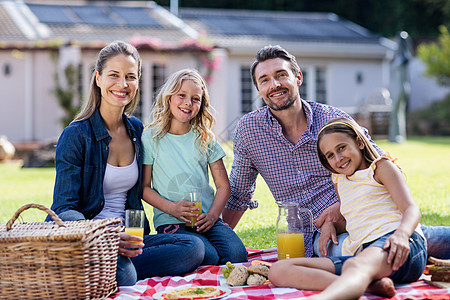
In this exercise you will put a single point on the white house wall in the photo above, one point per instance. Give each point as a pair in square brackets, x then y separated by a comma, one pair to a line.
[47, 112]
[232, 95]
[345, 91]
[30, 111]
[35, 113]
[218, 88]
[12, 118]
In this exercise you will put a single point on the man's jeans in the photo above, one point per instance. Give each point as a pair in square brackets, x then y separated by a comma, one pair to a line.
[438, 240]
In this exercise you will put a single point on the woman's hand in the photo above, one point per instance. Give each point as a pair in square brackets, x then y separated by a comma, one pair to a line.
[205, 222]
[182, 209]
[398, 245]
[128, 248]
[327, 232]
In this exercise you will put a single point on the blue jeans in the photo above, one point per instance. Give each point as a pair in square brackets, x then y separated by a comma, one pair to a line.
[162, 255]
[221, 243]
[410, 271]
[438, 242]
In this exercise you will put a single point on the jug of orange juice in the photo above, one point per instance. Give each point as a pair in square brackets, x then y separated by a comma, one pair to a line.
[290, 229]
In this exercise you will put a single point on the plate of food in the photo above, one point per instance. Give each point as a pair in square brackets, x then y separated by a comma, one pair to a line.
[193, 292]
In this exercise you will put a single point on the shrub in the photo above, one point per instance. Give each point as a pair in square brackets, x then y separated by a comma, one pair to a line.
[432, 120]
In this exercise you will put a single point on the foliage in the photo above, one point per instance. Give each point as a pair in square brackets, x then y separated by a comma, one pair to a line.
[432, 120]
[436, 56]
[67, 96]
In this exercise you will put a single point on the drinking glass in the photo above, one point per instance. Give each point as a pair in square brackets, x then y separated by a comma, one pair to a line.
[134, 222]
[194, 197]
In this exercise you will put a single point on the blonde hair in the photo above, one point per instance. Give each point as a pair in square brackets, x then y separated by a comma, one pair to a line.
[352, 129]
[202, 123]
[95, 97]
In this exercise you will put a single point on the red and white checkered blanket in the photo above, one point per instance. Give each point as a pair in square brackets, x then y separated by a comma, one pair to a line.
[212, 276]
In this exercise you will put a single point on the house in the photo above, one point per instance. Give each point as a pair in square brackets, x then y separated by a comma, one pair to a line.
[343, 64]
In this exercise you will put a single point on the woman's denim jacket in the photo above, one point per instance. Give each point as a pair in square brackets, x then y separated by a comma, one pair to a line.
[81, 157]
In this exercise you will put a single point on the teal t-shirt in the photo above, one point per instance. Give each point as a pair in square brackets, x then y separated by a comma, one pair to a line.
[179, 168]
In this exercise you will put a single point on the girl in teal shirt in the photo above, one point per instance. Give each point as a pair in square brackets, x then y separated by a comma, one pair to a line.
[179, 146]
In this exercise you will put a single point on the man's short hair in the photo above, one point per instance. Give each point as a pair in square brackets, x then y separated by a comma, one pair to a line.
[270, 52]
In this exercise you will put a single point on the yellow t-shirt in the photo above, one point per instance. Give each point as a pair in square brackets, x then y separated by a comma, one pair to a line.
[367, 206]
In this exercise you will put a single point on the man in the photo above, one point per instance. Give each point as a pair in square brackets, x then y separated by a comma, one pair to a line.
[278, 141]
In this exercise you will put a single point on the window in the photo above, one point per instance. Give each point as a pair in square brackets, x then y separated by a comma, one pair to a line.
[246, 90]
[321, 86]
[138, 110]
[304, 87]
[158, 77]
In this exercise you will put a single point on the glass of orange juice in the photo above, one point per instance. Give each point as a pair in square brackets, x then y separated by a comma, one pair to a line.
[194, 197]
[134, 222]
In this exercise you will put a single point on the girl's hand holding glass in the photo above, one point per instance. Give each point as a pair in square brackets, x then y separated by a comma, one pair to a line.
[182, 210]
[195, 201]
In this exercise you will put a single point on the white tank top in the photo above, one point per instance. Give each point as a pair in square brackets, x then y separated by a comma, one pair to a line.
[116, 184]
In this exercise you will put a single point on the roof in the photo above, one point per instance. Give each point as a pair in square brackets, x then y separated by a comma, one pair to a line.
[279, 25]
[9, 31]
[245, 30]
[95, 14]
[93, 23]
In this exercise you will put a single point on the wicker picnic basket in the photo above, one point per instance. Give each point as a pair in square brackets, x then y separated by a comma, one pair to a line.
[58, 260]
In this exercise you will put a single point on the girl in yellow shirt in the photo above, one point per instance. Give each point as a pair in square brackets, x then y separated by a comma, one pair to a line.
[385, 243]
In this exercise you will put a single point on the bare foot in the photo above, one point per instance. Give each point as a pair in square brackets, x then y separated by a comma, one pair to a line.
[383, 287]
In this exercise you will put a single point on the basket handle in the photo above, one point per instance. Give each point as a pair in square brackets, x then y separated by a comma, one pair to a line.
[50, 212]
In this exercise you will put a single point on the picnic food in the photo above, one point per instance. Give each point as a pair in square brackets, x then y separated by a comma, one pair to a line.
[440, 271]
[226, 271]
[256, 274]
[199, 292]
[259, 269]
[261, 262]
[238, 276]
[256, 279]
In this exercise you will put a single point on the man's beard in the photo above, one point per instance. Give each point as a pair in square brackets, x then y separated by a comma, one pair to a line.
[285, 105]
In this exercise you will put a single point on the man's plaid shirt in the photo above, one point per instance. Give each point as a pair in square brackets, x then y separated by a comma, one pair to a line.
[293, 173]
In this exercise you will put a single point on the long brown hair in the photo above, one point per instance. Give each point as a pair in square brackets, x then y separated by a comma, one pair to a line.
[353, 130]
[111, 50]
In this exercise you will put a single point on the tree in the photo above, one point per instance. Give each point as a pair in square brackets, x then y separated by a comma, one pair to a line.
[436, 57]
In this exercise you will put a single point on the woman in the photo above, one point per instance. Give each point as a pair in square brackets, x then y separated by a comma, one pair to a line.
[99, 169]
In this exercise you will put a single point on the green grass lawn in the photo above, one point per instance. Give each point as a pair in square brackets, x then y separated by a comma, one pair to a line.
[424, 160]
